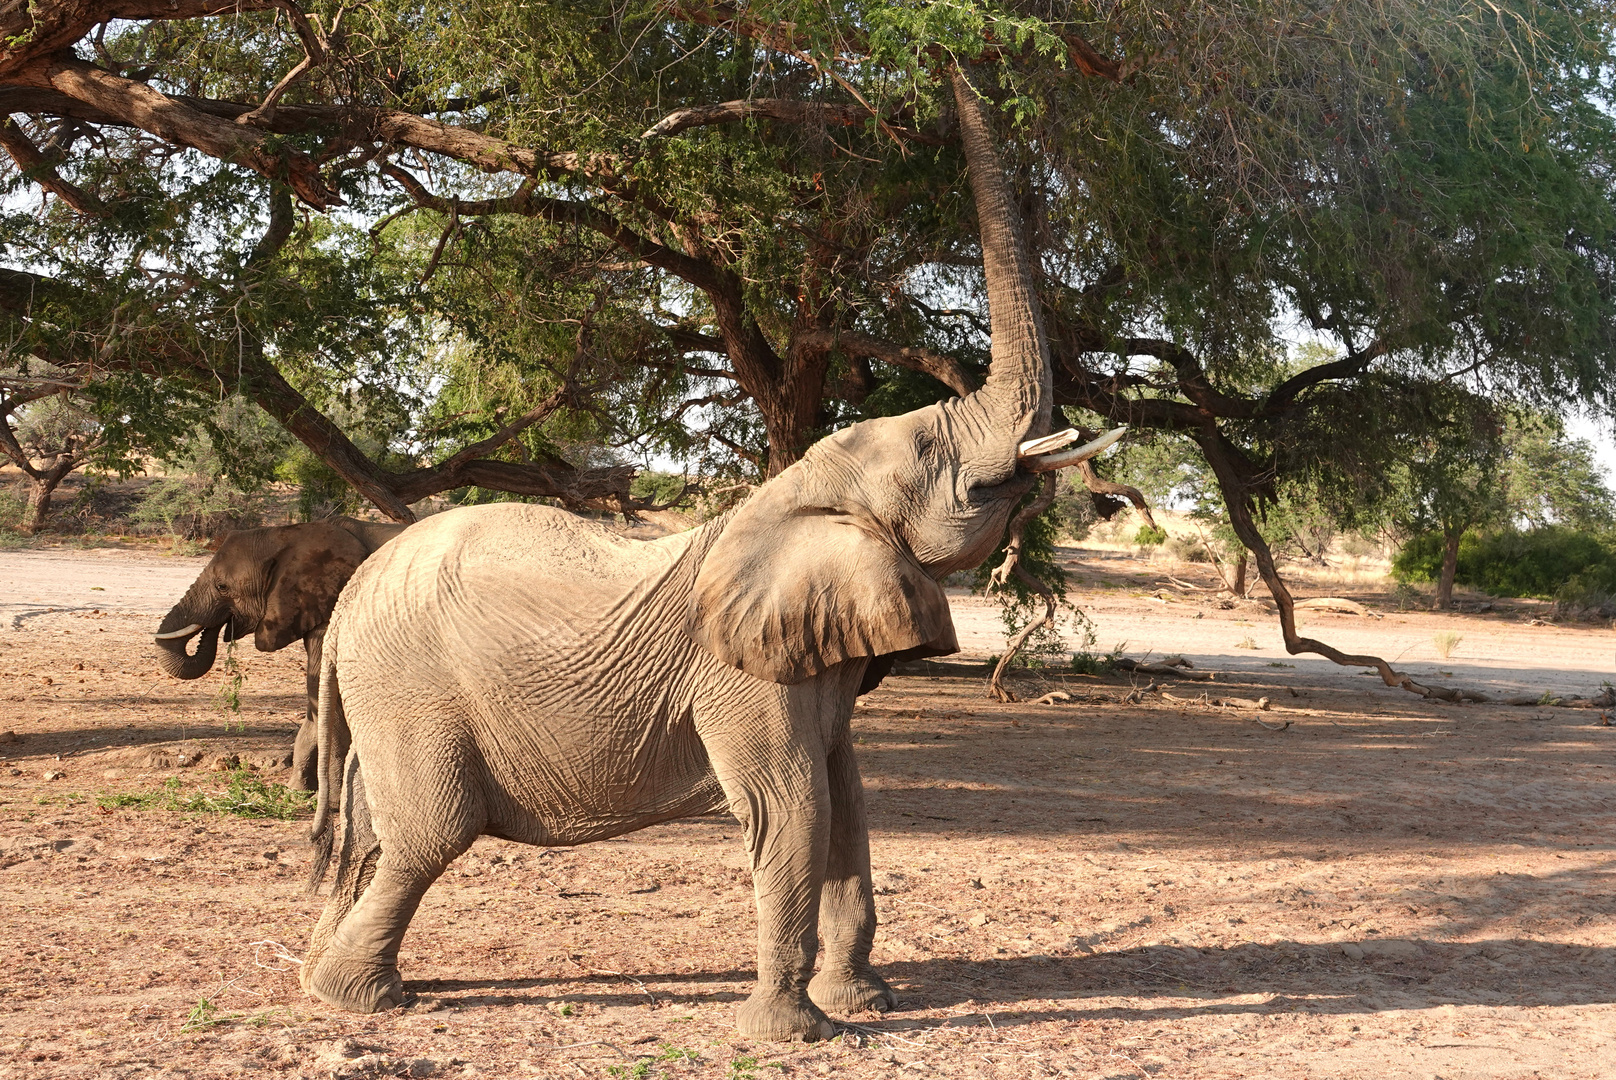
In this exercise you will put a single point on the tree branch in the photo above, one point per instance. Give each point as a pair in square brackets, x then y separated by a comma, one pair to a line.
[1011, 566]
[945, 369]
[42, 170]
[144, 107]
[783, 110]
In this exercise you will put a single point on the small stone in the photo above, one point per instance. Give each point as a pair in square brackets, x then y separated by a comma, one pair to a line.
[9, 737]
[13, 772]
[885, 883]
[1392, 949]
[112, 774]
[1352, 951]
[423, 1067]
[55, 774]
[976, 883]
[981, 918]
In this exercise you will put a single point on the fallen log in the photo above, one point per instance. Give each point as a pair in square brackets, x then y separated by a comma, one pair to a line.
[1171, 670]
[1333, 603]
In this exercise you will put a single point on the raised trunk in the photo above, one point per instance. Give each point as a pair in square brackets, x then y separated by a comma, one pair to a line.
[1019, 389]
[1450, 566]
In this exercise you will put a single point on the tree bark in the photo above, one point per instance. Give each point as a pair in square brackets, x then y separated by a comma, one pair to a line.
[1450, 567]
[43, 488]
[1240, 567]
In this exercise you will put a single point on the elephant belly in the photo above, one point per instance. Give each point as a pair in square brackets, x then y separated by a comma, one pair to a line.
[570, 777]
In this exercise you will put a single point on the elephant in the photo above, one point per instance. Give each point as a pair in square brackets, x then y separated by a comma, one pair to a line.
[277, 584]
[515, 671]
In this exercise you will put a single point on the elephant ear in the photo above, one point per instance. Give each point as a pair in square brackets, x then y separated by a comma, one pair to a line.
[787, 592]
[310, 568]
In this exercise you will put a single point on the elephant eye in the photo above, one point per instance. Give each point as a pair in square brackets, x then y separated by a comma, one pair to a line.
[222, 587]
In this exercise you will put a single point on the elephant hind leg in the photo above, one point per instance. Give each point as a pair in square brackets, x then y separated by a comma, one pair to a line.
[352, 961]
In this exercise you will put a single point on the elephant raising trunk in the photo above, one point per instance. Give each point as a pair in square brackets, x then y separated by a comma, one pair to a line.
[515, 671]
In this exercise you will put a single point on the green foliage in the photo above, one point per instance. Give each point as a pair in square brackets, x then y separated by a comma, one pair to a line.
[659, 488]
[1150, 536]
[245, 795]
[1019, 605]
[1509, 562]
[228, 697]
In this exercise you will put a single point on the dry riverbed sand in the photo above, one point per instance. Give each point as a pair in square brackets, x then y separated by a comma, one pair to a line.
[1121, 885]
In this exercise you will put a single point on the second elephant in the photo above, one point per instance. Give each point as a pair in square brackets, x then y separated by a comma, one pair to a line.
[278, 584]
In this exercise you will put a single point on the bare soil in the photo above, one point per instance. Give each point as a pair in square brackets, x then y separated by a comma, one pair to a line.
[1122, 885]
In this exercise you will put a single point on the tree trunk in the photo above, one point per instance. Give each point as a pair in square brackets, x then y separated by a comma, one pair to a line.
[1450, 566]
[1240, 565]
[44, 487]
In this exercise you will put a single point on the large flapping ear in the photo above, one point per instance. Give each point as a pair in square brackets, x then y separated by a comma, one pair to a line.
[310, 568]
[788, 591]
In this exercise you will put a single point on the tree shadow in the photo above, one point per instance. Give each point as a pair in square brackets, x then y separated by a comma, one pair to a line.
[1392, 973]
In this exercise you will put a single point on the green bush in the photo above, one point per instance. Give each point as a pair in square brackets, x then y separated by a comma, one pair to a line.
[1149, 537]
[1537, 562]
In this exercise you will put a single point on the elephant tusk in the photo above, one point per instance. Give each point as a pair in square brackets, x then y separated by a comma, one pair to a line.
[1033, 447]
[1074, 456]
[183, 632]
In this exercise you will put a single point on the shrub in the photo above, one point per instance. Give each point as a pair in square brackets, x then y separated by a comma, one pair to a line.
[1185, 549]
[246, 795]
[1537, 562]
[1149, 537]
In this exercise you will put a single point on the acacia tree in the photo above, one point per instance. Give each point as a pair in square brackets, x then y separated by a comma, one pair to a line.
[741, 225]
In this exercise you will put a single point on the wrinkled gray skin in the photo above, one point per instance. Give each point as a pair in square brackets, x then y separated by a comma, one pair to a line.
[515, 671]
[278, 584]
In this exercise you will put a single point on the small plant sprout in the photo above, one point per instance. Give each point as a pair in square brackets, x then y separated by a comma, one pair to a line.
[1246, 642]
[229, 696]
[1446, 641]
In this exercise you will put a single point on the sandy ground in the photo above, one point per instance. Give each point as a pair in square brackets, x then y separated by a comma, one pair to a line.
[1124, 885]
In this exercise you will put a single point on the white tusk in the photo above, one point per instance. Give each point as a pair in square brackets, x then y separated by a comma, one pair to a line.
[1049, 462]
[183, 632]
[1047, 443]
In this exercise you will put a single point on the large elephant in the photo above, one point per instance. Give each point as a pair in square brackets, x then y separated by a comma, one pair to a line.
[278, 584]
[515, 671]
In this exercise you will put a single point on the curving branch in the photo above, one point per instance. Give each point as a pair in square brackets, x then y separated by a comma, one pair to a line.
[783, 110]
[142, 106]
[1110, 488]
[41, 169]
[940, 366]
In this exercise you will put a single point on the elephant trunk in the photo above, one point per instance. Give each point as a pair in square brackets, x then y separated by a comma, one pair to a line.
[188, 619]
[1019, 391]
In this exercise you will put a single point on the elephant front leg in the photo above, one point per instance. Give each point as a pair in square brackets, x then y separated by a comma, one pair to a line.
[846, 982]
[305, 751]
[786, 822]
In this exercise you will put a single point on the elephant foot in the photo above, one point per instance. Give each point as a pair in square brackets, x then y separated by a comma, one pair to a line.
[362, 986]
[305, 774]
[850, 991]
[777, 1017]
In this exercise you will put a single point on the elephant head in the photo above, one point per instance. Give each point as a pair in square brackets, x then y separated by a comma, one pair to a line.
[840, 556]
[278, 584]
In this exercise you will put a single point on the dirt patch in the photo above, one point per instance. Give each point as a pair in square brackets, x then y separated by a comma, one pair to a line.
[1122, 885]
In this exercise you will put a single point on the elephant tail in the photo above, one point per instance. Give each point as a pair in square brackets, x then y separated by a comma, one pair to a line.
[330, 739]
